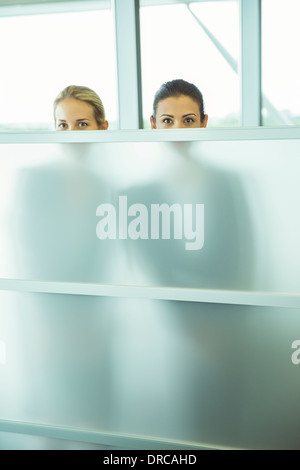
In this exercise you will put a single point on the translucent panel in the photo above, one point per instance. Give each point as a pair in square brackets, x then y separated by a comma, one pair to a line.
[12, 441]
[50, 52]
[176, 44]
[180, 214]
[280, 64]
[195, 373]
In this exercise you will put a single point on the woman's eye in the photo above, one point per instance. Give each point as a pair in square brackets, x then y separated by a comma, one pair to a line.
[167, 121]
[62, 125]
[189, 120]
[83, 124]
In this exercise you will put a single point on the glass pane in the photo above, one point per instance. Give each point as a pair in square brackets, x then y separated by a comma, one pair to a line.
[201, 373]
[280, 63]
[174, 214]
[12, 441]
[45, 53]
[174, 45]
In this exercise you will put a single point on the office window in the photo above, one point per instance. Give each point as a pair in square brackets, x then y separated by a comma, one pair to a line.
[280, 62]
[42, 53]
[198, 42]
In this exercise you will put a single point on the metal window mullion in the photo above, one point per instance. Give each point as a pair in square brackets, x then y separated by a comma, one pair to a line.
[65, 6]
[250, 62]
[126, 13]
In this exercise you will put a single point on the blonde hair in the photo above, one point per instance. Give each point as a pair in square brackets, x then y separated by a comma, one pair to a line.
[85, 94]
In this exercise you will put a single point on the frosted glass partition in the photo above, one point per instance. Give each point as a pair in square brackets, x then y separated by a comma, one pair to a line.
[199, 213]
[189, 373]
[122, 329]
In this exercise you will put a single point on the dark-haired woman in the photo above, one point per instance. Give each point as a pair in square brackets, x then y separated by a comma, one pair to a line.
[178, 105]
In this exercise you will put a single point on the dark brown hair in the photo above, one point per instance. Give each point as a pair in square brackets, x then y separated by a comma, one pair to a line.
[176, 88]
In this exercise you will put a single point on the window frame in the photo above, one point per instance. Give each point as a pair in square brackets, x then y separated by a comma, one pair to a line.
[128, 54]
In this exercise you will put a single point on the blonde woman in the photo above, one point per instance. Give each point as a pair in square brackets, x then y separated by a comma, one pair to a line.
[78, 108]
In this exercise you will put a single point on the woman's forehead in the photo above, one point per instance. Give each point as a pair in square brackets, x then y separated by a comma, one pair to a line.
[178, 104]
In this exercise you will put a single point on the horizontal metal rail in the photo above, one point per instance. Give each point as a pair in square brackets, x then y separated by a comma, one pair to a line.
[149, 135]
[116, 440]
[262, 299]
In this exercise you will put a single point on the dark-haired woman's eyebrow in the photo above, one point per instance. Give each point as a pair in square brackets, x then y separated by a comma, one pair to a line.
[190, 114]
[167, 115]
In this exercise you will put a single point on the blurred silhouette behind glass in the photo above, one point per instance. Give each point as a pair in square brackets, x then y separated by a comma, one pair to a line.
[189, 371]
